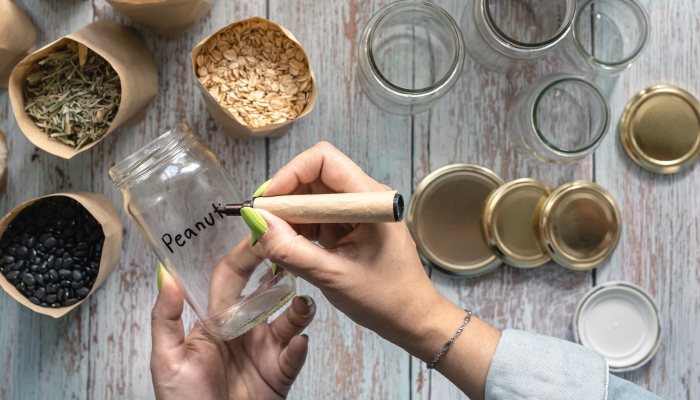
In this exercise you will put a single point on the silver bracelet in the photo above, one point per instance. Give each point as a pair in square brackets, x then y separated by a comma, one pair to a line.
[448, 344]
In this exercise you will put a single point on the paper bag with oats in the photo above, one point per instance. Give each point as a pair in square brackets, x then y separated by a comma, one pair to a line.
[170, 18]
[123, 100]
[17, 38]
[44, 276]
[255, 78]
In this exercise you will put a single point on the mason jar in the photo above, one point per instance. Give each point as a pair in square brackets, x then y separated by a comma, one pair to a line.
[559, 119]
[607, 36]
[505, 34]
[169, 187]
[410, 54]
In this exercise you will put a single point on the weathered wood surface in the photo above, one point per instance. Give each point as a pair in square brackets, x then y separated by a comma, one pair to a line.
[101, 350]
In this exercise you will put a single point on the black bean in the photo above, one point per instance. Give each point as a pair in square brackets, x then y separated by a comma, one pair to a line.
[52, 261]
[52, 288]
[64, 273]
[50, 242]
[29, 279]
[43, 266]
[51, 298]
[46, 213]
[8, 259]
[11, 250]
[31, 242]
[81, 254]
[18, 265]
[39, 278]
[67, 262]
[40, 293]
[12, 275]
[32, 255]
[65, 283]
[34, 300]
[41, 222]
[83, 246]
[53, 274]
[44, 304]
[77, 285]
[83, 291]
[70, 302]
[59, 262]
[61, 294]
[23, 238]
[94, 264]
[44, 237]
[68, 212]
[34, 267]
[80, 236]
[21, 251]
[77, 275]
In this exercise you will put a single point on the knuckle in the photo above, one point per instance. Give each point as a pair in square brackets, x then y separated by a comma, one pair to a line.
[282, 252]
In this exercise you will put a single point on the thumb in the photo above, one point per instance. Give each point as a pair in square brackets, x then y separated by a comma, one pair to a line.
[286, 248]
[167, 329]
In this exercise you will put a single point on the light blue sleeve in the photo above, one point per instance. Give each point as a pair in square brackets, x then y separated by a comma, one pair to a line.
[532, 366]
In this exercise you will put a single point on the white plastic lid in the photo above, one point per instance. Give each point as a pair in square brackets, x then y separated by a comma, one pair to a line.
[619, 321]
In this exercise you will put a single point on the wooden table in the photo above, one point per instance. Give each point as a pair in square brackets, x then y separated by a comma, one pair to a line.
[101, 350]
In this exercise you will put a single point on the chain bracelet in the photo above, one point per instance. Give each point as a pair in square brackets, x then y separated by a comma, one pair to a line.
[448, 344]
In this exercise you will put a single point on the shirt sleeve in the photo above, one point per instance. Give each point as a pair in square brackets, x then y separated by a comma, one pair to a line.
[531, 366]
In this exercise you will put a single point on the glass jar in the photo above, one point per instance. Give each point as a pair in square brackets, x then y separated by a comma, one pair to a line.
[607, 36]
[505, 34]
[411, 53]
[169, 187]
[559, 119]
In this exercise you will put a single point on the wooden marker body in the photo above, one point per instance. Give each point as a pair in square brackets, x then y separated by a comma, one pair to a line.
[368, 207]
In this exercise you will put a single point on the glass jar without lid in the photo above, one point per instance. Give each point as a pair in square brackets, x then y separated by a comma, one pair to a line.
[169, 187]
[505, 34]
[411, 53]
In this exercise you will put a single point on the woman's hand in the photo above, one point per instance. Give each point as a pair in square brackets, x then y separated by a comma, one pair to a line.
[261, 364]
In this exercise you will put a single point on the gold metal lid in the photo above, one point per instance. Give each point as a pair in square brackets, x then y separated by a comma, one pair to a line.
[444, 218]
[579, 225]
[510, 223]
[660, 129]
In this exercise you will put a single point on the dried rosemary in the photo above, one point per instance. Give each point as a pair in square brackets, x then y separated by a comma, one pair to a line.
[73, 95]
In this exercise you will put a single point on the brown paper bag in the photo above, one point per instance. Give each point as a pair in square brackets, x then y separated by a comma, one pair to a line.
[104, 212]
[233, 127]
[170, 18]
[17, 38]
[4, 155]
[124, 50]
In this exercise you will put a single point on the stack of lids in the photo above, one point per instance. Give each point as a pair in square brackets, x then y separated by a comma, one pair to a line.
[467, 221]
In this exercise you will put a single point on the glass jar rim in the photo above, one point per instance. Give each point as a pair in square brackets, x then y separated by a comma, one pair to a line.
[145, 159]
[643, 19]
[508, 41]
[392, 9]
[605, 125]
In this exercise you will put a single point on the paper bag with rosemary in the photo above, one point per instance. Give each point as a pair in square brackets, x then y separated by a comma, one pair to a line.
[255, 77]
[170, 18]
[17, 38]
[85, 237]
[70, 94]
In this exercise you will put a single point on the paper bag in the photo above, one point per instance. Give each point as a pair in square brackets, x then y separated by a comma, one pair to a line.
[4, 155]
[170, 18]
[17, 38]
[104, 212]
[233, 127]
[124, 50]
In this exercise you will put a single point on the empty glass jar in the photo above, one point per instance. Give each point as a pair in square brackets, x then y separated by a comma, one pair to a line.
[169, 187]
[411, 53]
[504, 34]
[559, 119]
[607, 36]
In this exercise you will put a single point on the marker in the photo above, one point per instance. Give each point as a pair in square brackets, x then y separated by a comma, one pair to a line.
[336, 208]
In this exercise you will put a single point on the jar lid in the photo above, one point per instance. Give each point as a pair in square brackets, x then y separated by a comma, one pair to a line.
[444, 218]
[660, 129]
[579, 225]
[620, 321]
[510, 223]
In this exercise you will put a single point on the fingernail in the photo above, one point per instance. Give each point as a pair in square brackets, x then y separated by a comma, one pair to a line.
[309, 300]
[160, 277]
[274, 269]
[255, 222]
[253, 239]
[262, 188]
[305, 337]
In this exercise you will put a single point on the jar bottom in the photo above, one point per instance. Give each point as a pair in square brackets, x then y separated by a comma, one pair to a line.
[254, 309]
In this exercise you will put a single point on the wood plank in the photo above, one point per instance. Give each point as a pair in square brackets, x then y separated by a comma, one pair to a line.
[345, 360]
[468, 126]
[659, 246]
[120, 344]
[43, 357]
